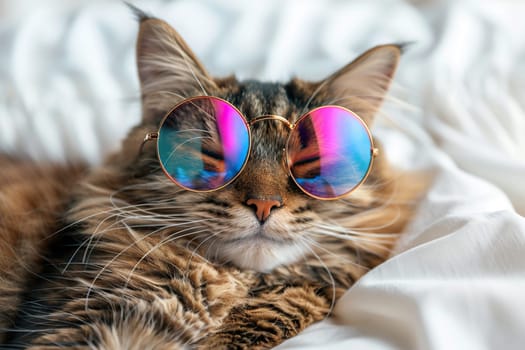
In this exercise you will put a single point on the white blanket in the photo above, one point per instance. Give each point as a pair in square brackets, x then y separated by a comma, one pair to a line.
[68, 90]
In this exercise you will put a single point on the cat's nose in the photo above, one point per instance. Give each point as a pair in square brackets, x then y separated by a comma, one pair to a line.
[263, 207]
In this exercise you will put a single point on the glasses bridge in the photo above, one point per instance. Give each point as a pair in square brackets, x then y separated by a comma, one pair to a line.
[272, 117]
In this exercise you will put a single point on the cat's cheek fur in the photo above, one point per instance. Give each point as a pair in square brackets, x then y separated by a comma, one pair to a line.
[258, 254]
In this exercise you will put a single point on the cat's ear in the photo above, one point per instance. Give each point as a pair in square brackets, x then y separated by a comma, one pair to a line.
[362, 84]
[168, 70]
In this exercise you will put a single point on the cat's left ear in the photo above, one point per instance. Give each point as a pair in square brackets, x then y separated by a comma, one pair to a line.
[168, 69]
[362, 84]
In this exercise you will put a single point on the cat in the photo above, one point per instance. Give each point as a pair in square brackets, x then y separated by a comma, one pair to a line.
[119, 257]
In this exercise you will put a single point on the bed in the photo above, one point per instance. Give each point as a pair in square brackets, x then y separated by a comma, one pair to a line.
[456, 280]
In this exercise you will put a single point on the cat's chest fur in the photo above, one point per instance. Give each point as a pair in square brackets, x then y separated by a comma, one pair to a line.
[135, 292]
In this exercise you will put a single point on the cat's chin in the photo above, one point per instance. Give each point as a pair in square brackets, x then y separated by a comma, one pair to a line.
[258, 254]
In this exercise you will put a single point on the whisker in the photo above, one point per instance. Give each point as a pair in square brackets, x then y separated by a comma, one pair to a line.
[336, 229]
[332, 281]
[358, 241]
[194, 252]
[140, 239]
[168, 239]
[181, 219]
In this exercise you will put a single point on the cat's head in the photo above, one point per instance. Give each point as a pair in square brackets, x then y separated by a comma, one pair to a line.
[226, 225]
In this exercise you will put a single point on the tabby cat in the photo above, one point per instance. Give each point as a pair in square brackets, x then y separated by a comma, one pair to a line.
[119, 257]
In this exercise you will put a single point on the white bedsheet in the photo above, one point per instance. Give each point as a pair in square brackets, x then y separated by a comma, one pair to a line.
[68, 89]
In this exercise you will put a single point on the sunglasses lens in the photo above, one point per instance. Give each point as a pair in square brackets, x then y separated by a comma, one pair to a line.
[203, 143]
[329, 152]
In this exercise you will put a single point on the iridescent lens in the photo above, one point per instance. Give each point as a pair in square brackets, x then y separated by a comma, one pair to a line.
[329, 152]
[203, 143]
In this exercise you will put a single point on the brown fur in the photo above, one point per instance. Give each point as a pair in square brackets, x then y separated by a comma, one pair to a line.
[139, 263]
[32, 198]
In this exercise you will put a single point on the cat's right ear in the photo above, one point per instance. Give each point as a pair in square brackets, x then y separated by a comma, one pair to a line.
[168, 70]
[362, 84]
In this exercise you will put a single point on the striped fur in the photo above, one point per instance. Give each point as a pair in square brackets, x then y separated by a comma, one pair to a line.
[131, 261]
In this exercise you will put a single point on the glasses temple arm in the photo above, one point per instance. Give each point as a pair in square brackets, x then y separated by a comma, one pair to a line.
[149, 136]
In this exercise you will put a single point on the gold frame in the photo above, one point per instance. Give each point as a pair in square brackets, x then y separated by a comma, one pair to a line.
[155, 135]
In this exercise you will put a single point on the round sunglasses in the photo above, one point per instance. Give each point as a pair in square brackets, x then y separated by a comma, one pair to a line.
[204, 143]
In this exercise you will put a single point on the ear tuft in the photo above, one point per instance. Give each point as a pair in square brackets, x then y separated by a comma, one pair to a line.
[139, 14]
[404, 46]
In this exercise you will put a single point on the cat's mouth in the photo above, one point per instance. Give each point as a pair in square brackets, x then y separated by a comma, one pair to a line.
[260, 250]
[261, 235]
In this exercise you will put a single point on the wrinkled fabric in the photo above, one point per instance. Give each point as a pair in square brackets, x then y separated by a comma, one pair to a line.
[456, 280]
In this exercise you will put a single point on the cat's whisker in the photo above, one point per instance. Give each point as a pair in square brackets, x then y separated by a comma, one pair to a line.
[360, 242]
[194, 251]
[361, 222]
[88, 242]
[204, 131]
[214, 236]
[215, 256]
[396, 216]
[116, 207]
[183, 222]
[341, 257]
[78, 221]
[176, 149]
[168, 239]
[382, 244]
[138, 240]
[151, 217]
[362, 219]
[354, 232]
[332, 281]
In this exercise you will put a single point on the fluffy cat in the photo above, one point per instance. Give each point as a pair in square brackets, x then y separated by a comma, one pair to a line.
[119, 257]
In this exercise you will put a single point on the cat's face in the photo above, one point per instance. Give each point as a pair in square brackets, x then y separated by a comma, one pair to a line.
[228, 225]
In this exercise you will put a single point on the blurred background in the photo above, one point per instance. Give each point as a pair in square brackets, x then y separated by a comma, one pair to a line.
[69, 88]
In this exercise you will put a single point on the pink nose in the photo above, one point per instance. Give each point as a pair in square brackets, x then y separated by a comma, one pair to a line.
[263, 207]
